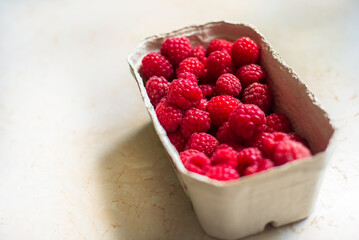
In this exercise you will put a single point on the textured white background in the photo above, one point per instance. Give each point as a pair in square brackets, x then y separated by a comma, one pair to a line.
[78, 156]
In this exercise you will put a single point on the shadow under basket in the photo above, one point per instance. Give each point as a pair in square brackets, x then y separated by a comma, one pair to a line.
[284, 194]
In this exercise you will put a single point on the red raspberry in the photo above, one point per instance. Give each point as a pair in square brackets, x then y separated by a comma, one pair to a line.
[195, 161]
[222, 173]
[177, 139]
[258, 140]
[262, 165]
[228, 84]
[184, 93]
[218, 63]
[219, 45]
[202, 142]
[248, 157]
[176, 49]
[189, 76]
[249, 74]
[247, 121]
[288, 150]
[191, 65]
[156, 88]
[270, 142]
[154, 64]
[195, 120]
[278, 122]
[295, 137]
[258, 94]
[220, 107]
[203, 104]
[169, 116]
[207, 90]
[224, 154]
[245, 51]
[226, 135]
[200, 53]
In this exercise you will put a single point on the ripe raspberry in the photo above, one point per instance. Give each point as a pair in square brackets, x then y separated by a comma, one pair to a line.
[278, 122]
[191, 65]
[226, 135]
[189, 76]
[202, 142]
[169, 116]
[177, 139]
[249, 74]
[195, 120]
[203, 104]
[228, 84]
[207, 90]
[295, 137]
[154, 64]
[195, 161]
[218, 63]
[176, 49]
[156, 88]
[219, 45]
[248, 157]
[258, 140]
[184, 93]
[222, 173]
[262, 165]
[247, 120]
[288, 150]
[270, 142]
[200, 53]
[220, 107]
[244, 51]
[258, 94]
[225, 154]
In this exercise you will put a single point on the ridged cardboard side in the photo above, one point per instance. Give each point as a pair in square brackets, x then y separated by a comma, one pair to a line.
[231, 210]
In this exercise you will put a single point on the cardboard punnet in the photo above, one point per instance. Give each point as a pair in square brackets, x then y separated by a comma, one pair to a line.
[235, 209]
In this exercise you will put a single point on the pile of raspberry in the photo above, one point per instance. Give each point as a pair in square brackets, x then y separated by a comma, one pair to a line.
[216, 108]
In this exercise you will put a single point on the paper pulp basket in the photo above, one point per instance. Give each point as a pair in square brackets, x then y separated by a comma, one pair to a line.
[285, 194]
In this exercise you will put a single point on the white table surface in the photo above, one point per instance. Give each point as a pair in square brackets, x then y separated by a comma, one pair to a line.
[78, 156]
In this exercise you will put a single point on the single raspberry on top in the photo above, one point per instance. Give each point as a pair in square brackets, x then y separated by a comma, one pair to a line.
[288, 150]
[228, 84]
[176, 49]
[219, 45]
[278, 122]
[224, 154]
[218, 63]
[156, 88]
[248, 157]
[191, 65]
[222, 173]
[262, 165]
[195, 161]
[258, 94]
[250, 73]
[195, 120]
[177, 139]
[202, 142]
[169, 116]
[189, 76]
[184, 93]
[208, 90]
[247, 121]
[244, 51]
[220, 107]
[200, 53]
[154, 64]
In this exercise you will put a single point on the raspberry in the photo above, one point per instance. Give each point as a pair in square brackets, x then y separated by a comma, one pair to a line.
[220, 107]
[248, 157]
[219, 45]
[156, 88]
[203, 104]
[207, 90]
[176, 49]
[258, 140]
[184, 93]
[295, 137]
[224, 154]
[244, 51]
[222, 173]
[191, 65]
[249, 74]
[195, 120]
[262, 165]
[200, 53]
[177, 139]
[195, 161]
[226, 135]
[258, 94]
[247, 120]
[169, 116]
[278, 122]
[270, 142]
[218, 63]
[288, 150]
[189, 76]
[154, 64]
[228, 84]
[202, 142]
